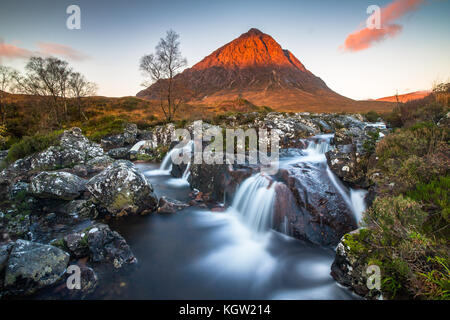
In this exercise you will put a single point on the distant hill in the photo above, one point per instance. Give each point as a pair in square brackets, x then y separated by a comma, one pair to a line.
[406, 97]
[255, 67]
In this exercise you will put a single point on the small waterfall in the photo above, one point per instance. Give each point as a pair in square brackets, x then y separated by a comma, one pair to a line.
[357, 197]
[254, 202]
[354, 199]
[166, 164]
[319, 146]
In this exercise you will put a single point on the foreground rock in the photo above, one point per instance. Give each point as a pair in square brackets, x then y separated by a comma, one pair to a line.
[57, 185]
[350, 268]
[32, 266]
[101, 245]
[122, 189]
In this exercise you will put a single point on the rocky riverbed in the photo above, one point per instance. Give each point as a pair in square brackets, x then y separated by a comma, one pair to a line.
[63, 206]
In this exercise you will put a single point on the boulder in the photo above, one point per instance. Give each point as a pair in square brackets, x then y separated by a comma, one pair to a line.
[349, 267]
[71, 150]
[77, 244]
[74, 148]
[121, 189]
[309, 207]
[57, 185]
[32, 266]
[108, 246]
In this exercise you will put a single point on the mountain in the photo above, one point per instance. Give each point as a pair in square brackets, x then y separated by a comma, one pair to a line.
[407, 96]
[255, 67]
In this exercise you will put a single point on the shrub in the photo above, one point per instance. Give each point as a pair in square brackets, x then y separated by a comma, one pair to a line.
[29, 145]
[372, 116]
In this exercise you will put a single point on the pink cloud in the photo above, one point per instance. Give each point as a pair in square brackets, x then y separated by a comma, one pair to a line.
[61, 50]
[12, 51]
[365, 38]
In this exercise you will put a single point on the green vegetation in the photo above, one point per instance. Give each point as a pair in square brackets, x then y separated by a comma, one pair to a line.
[409, 219]
[29, 145]
[372, 116]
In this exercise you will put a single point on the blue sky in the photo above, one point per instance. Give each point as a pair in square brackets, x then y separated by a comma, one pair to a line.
[115, 34]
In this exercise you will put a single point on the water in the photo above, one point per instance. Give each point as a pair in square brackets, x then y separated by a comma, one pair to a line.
[166, 164]
[254, 202]
[314, 155]
[201, 254]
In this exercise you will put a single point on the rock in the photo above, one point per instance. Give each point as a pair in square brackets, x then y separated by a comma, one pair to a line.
[113, 142]
[89, 282]
[349, 158]
[349, 267]
[57, 185]
[121, 188]
[308, 207]
[80, 209]
[127, 138]
[32, 266]
[19, 188]
[130, 133]
[72, 149]
[166, 205]
[108, 246]
[98, 164]
[5, 250]
[119, 153]
[77, 244]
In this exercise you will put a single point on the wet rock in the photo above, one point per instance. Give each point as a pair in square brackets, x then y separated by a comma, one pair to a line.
[32, 266]
[89, 282]
[122, 189]
[106, 245]
[57, 185]
[167, 205]
[313, 210]
[350, 156]
[77, 245]
[127, 138]
[79, 209]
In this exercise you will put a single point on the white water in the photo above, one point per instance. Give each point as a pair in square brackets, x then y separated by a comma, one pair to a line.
[166, 164]
[357, 197]
[254, 202]
[315, 152]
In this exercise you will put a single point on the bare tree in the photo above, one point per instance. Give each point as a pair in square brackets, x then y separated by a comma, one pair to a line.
[161, 68]
[47, 78]
[79, 87]
[7, 76]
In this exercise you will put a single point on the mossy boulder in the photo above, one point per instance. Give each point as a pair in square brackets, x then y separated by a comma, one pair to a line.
[121, 189]
[32, 266]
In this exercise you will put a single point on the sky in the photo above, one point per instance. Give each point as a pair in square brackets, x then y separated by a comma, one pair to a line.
[409, 53]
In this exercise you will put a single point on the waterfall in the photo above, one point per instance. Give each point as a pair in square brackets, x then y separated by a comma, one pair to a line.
[166, 164]
[319, 146]
[357, 197]
[254, 202]
[354, 199]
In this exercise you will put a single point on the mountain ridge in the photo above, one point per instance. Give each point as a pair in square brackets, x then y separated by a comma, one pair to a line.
[255, 67]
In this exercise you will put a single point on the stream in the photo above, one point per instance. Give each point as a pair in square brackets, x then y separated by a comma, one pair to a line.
[201, 254]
